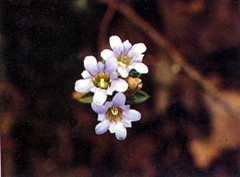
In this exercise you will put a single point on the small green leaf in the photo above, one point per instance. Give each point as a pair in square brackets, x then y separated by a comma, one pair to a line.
[135, 74]
[138, 97]
[86, 97]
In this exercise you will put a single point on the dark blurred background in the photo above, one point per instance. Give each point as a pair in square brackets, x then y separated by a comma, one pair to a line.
[47, 132]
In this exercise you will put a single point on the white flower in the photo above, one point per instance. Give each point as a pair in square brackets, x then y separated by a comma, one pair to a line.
[115, 116]
[101, 79]
[129, 57]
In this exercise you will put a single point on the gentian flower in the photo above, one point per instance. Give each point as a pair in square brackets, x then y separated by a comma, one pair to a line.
[101, 79]
[115, 116]
[129, 57]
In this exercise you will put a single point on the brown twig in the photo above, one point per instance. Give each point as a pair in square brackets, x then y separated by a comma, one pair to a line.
[173, 53]
[105, 25]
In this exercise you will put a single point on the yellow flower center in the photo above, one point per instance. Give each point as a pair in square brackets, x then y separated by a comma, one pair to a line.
[124, 60]
[114, 114]
[102, 80]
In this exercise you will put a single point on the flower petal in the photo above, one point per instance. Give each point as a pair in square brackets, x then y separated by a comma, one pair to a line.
[112, 127]
[111, 65]
[107, 54]
[102, 127]
[131, 115]
[125, 107]
[139, 67]
[100, 66]
[127, 46]
[138, 58]
[127, 123]
[101, 117]
[119, 99]
[116, 44]
[137, 49]
[83, 85]
[90, 63]
[99, 96]
[121, 132]
[119, 85]
[85, 74]
[124, 72]
[93, 89]
[100, 109]
[110, 91]
[114, 75]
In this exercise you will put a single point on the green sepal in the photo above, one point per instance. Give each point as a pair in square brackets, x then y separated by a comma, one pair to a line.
[138, 97]
[86, 98]
[134, 74]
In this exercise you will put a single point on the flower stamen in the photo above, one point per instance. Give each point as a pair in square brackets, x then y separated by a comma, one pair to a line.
[114, 114]
[102, 80]
[114, 110]
[124, 60]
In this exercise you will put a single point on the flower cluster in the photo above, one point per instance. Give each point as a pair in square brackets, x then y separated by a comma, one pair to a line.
[110, 84]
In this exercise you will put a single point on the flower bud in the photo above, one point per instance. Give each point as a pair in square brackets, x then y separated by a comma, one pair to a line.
[134, 85]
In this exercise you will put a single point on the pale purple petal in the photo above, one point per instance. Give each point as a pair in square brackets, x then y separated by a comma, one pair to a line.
[112, 127]
[107, 54]
[120, 131]
[116, 44]
[110, 91]
[139, 67]
[102, 127]
[119, 85]
[111, 65]
[100, 109]
[131, 115]
[99, 96]
[90, 63]
[138, 58]
[114, 75]
[85, 74]
[83, 85]
[119, 99]
[137, 49]
[127, 123]
[93, 89]
[125, 107]
[127, 46]
[124, 72]
[100, 66]
[101, 117]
